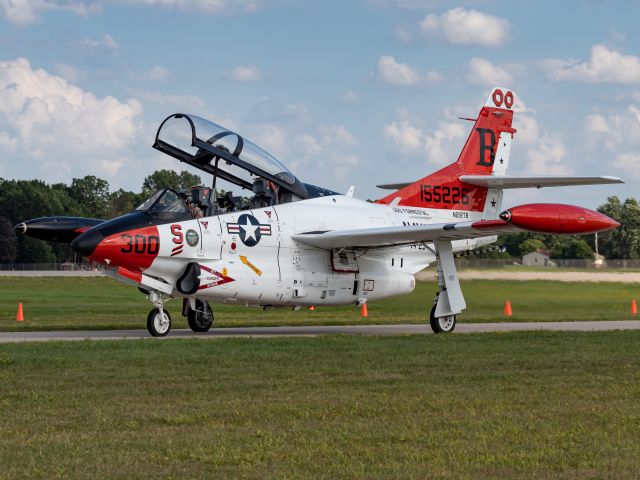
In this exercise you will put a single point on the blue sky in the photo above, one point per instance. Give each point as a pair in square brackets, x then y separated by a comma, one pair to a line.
[359, 92]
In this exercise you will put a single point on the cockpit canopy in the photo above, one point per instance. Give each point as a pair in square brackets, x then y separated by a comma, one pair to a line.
[163, 201]
[223, 153]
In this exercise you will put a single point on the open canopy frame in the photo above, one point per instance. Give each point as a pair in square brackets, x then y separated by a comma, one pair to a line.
[221, 152]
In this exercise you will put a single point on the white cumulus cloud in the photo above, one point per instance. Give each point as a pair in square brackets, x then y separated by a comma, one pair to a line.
[389, 70]
[407, 137]
[350, 97]
[209, 7]
[467, 27]
[445, 144]
[103, 41]
[156, 73]
[57, 125]
[245, 73]
[439, 146]
[25, 12]
[548, 157]
[616, 136]
[336, 134]
[483, 73]
[603, 66]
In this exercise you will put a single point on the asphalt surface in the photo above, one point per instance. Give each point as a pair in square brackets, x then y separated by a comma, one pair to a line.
[9, 337]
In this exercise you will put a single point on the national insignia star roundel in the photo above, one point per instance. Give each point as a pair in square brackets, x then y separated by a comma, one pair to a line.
[249, 229]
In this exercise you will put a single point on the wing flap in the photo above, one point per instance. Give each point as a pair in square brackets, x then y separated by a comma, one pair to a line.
[386, 236]
[507, 181]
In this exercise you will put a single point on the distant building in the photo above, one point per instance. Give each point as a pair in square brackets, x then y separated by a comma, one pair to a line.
[599, 259]
[537, 258]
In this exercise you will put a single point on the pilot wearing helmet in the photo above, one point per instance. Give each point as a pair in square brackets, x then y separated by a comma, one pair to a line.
[194, 210]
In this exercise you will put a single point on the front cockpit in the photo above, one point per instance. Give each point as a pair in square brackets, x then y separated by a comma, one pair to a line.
[233, 161]
[165, 201]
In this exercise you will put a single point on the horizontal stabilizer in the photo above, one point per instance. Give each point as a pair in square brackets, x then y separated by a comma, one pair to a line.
[394, 186]
[506, 181]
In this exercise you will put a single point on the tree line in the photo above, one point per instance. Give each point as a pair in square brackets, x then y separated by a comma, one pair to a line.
[91, 197]
[621, 243]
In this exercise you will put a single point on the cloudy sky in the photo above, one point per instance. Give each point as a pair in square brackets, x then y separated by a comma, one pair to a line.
[358, 92]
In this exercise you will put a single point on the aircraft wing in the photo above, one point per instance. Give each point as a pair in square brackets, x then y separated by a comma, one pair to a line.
[535, 217]
[507, 181]
[386, 236]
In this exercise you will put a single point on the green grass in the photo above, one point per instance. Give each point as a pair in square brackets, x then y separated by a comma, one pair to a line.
[100, 303]
[516, 405]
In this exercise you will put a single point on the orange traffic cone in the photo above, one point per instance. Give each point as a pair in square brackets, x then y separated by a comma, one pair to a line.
[507, 308]
[634, 307]
[20, 315]
[364, 312]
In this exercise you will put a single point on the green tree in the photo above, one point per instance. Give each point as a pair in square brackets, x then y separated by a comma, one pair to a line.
[31, 250]
[571, 247]
[531, 245]
[91, 194]
[122, 201]
[8, 244]
[513, 241]
[622, 242]
[169, 179]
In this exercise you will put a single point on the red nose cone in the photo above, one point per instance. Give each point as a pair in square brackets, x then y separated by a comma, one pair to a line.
[558, 218]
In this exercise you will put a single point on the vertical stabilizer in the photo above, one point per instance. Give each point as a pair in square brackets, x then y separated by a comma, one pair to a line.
[486, 152]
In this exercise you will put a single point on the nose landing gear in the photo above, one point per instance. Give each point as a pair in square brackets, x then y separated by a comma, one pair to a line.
[158, 320]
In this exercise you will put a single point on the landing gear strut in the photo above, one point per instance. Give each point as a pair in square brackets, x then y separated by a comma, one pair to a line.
[200, 319]
[449, 300]
[158, 320]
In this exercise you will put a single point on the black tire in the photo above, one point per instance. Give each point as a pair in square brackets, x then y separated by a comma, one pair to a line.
[200, 319]
[155, 327]
[442, 324]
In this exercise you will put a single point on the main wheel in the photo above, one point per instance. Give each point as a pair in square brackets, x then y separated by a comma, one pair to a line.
[444, 324]
[201, 318]
[158, 325]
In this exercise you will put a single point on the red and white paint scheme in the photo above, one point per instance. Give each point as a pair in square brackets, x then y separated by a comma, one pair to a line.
[294, 244]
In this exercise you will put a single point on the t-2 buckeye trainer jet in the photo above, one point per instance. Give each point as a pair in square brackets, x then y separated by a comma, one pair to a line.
[293, 244]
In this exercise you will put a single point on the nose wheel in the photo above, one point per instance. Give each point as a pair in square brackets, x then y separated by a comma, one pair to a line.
[158, 322]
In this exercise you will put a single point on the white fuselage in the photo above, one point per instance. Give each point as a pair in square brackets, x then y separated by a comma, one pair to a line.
[260, 264]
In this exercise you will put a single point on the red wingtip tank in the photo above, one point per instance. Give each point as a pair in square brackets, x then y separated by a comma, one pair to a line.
[558, 218]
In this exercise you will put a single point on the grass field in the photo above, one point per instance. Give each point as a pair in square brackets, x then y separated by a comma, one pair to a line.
[102, 303]
[515, 405]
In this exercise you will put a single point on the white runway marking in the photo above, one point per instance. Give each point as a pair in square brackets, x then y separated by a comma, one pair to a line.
[10, 337]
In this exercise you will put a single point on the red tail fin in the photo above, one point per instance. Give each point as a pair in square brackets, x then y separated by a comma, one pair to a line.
[486, 152]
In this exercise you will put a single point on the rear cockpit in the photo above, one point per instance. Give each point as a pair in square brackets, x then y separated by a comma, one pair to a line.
[230, 159]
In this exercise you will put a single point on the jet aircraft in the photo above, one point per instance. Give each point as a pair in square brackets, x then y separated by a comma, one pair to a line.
[293, 244]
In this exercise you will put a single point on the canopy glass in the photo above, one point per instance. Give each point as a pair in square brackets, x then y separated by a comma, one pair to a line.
[222, 152]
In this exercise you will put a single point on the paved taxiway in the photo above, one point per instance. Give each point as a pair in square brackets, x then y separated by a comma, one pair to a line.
[7, 337]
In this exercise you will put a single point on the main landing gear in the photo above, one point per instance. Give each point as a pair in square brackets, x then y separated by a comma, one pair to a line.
[449, 301]
[200, 319]
[443, 324]
[199, 315]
